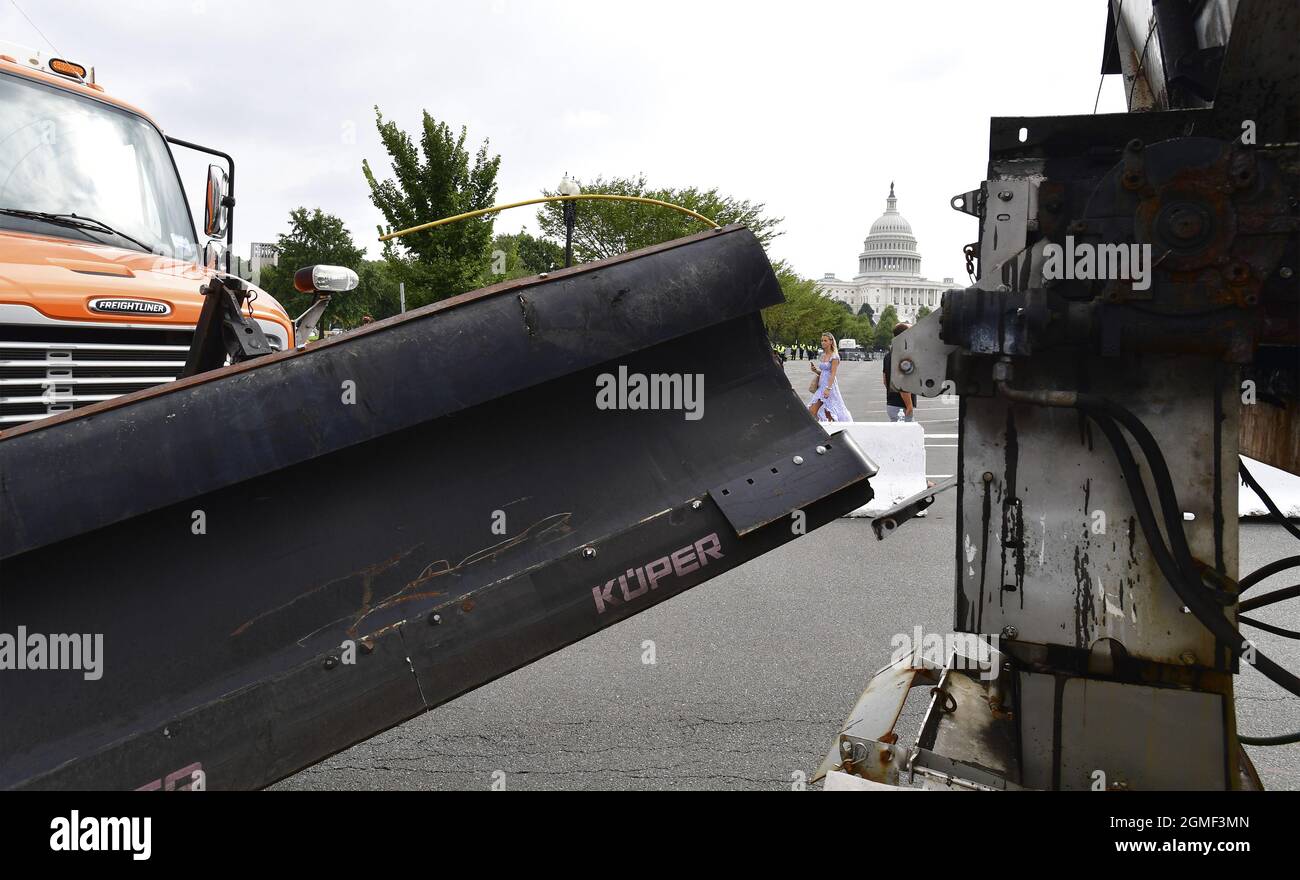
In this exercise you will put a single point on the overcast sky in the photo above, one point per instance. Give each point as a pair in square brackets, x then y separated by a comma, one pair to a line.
[810, 107]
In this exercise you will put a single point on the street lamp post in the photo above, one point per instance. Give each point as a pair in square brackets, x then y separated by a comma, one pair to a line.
[569, 187]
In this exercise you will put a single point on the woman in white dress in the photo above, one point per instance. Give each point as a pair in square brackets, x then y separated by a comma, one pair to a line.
[827, 405]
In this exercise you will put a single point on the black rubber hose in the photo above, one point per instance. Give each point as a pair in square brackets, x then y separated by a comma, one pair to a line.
[1270, 598]
[1195, 597]
[1164, 483]
[1267, 571]
[1141, 503]
[1192, 591]
[1268, 502]
[1268, 627]
[1284, 739]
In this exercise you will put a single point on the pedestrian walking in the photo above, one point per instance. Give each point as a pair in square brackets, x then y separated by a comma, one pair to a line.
[827, 404]
[900, 405]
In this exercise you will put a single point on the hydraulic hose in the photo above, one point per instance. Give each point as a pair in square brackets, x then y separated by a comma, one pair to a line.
[1270, 598]
[1194, 596]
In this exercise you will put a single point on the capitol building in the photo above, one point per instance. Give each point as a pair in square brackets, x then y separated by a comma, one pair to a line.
[889, 271]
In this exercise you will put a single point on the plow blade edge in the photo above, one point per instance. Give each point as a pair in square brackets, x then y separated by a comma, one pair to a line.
[287, 556]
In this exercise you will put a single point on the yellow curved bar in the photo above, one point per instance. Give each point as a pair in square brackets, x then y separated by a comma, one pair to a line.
[593, 196]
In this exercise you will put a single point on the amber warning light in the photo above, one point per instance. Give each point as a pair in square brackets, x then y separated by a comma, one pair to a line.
[67, 68]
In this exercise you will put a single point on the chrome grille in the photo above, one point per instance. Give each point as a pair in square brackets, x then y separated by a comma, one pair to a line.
[46, 370]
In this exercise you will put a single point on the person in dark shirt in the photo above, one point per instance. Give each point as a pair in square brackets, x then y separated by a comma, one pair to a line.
[900, 405]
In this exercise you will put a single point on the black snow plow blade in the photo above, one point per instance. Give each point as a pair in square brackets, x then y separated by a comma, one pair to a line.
[256, 567]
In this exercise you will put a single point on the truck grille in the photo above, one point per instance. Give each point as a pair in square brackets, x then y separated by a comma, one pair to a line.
[47, 370]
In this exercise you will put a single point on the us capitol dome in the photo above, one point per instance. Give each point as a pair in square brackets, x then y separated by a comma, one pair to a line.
[889, 270]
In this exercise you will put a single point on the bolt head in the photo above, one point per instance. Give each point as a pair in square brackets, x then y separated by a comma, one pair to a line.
[588, 552]
[1010, 632]
[695, 505]
[821, 450]
[434, 618]
[906, 366]
[1285, 272]
[846, 748]
[798, 459]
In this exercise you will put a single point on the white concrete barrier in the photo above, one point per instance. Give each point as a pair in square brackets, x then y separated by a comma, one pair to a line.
[1282, 487]
[898, 449]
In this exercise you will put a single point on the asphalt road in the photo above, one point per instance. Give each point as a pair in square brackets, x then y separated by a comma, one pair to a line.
[753, 671]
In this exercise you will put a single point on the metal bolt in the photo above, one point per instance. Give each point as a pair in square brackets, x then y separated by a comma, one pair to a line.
[1006, 667]
[1285, 272]
[331, 662]
[167, 732]
[798, 459]
[588, 552]
[1010, 632]
[1186, 223]
[1005, 195]
[434, 618]
[1188, 658]
[821, 450]
[988, 476]
[695, 505]
[906, 366]
[846, 748]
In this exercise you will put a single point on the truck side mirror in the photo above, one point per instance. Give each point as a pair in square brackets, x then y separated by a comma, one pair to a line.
[216, 207]
[213, 252]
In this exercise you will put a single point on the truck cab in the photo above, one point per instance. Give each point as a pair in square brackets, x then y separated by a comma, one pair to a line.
[101, 271]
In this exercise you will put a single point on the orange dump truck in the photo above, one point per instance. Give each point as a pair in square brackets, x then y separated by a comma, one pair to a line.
[100, 266]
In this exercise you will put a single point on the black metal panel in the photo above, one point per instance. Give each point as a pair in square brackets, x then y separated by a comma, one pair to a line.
[778, 487]
[219, 428]
[224, 649]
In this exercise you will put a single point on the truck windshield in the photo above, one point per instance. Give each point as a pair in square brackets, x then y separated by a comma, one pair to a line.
[63, 154]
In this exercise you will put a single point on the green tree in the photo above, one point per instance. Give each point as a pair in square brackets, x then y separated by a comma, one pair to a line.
[867, 310]
[922, 312]
[314, 237]
[805, 314]
[606, 229]
[520, 255]
[432, 181]
[884, 333]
